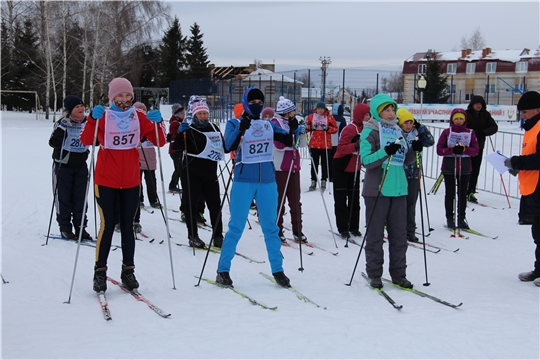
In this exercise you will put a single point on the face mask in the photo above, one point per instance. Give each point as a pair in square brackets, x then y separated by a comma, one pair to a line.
[256, 110]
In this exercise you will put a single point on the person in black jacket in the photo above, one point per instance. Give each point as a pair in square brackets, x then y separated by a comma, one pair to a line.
[70, 172]
[479, 120]
[205, 148]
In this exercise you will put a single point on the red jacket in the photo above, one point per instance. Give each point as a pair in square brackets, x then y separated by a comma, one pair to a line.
[346, 148]
[119, 169]
[321, 139]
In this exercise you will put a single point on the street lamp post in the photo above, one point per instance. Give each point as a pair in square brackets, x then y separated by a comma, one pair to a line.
[325, 62]
[421, 84]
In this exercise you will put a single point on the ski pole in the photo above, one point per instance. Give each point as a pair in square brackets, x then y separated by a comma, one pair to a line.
[189, 219]
[502, 180]
[351, 200]
[55, 187]
[425, 196]
[370, 218]
[164, 204]
[297, 191]
[84, 207]
[418, 165]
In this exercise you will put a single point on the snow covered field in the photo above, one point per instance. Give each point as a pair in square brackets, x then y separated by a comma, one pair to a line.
[499, 317]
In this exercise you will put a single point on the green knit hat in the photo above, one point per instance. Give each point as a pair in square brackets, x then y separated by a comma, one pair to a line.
[321, 105]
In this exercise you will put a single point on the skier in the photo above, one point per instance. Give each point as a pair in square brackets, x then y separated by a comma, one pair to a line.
[287, 164]
[204, 143]
[346, 172]
[254, 177]
[321, 125]
[383, 153]
[70, 172]
[117, 173]
[457, 144]
[418, 137]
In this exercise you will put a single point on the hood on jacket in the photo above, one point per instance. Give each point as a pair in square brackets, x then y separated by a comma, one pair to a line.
[337, 109]
[377, 101]
[251, 93]
[477, 99]
[359, 112]
[456, 111]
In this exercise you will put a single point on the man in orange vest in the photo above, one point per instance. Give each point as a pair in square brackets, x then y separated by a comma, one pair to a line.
[528, 166]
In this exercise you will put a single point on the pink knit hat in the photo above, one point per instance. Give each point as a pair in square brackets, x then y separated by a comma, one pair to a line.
[140, 106]
[267, 111]
[119, 85]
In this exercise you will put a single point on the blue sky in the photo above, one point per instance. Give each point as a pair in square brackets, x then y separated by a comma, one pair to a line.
[354, 34]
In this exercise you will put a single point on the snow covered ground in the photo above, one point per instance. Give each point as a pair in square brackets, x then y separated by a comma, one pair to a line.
[499, 317]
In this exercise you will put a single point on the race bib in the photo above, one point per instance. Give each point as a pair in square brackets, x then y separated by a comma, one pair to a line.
[214, 147]
[122, 130]
[389, 134]
[319, 120]
[258, 143]
[463, 138]
[73, 143]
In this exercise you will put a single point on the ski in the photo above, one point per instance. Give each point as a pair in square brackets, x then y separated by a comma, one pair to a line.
[251, 300]
[144, 235]
[217, 250]
[91, 244]
[147, 210]
[104, 305]
[456, 233]
[205, 248]
[383, 294]
[351, 240]
[199, 225]
[474, 232]
[483, 205]
[436, 247]
[137, 295]
[298, 294]
[304, 250]
[419, 246]
[312, 245]
[422, 294]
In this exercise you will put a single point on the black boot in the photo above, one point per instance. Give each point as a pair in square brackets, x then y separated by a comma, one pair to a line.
[195, 241]
[224, 278]
[85, 235]
[68, 234]
[128, 277]
[100, 279]
[281, 279]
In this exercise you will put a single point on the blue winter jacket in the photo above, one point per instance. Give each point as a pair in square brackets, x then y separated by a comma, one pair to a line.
[252, 173]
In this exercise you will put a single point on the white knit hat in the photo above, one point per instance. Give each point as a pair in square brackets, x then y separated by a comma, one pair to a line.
[285, 106]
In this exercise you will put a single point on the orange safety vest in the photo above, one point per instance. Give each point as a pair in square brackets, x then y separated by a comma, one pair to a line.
[528, 179]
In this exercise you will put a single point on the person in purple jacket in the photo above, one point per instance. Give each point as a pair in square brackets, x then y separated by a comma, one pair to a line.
[457, 144]
[287, 163]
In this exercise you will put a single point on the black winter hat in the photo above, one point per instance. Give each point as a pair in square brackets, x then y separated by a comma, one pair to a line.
[529, 100]
[255, 94]
[70, 102]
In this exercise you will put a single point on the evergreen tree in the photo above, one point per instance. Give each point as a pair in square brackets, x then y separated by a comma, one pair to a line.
[27, 71]
[197, 59]
[173, 58]
[74, 61]
[6, 71]
[436, 91]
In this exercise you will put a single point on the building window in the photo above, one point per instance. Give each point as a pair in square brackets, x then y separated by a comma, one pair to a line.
[468, 97]
[451, 89]
[491, 67]
[522, 66]
[471, 68]
[422, 68]
[451, 68]
[491, 88]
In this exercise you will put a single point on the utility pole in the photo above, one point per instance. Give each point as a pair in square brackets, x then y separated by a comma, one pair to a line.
[325, 62]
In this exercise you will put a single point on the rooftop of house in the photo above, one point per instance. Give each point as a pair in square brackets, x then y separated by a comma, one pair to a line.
[484, 54]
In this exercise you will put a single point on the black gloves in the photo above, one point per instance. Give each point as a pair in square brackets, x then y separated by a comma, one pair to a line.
[357, 145]
[169, 137]
[245, 123]
[392, 148]
[417, 145]
[416, 124]
[293, 124]
[511, 170]
[458, 149]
